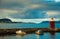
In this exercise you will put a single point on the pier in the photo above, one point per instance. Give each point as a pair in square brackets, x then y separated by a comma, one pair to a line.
[27, 30]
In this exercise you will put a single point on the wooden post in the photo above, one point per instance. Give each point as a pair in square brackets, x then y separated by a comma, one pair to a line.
[52, 24]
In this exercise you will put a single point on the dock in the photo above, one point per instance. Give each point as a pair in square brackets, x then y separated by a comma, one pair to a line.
[27, 30]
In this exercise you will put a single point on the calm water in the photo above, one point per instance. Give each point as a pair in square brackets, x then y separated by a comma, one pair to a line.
[27, 25]
[33, 36]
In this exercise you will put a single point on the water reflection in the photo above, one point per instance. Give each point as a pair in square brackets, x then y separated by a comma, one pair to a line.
[37, 37]
[2, 37]
[46, 36]
[19, 35]
[52, 35]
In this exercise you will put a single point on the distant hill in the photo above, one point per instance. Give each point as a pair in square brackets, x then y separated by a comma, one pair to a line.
[5, 20]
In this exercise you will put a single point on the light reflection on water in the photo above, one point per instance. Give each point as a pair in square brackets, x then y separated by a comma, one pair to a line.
[33, 36]
[52, 35]
[37, 36]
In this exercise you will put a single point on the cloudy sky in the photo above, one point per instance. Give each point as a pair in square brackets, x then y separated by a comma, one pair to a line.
[30, 9]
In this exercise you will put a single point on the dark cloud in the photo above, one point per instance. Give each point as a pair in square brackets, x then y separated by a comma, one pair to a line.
[30, 14]
[47, 5]
[26, 10]
[51, 6]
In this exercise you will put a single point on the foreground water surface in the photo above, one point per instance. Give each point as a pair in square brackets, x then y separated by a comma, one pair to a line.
[32, 36]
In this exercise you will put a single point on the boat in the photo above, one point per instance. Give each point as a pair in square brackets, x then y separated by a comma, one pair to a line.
[20, 32]
[39, 32]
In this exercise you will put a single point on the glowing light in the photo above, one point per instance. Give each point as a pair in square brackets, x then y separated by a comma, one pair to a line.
[19, 31]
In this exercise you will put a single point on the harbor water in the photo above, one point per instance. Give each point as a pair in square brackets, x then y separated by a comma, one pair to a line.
[32, 36]
[26, 25]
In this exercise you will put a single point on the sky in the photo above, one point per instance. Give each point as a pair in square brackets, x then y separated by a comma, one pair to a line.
[29, 9]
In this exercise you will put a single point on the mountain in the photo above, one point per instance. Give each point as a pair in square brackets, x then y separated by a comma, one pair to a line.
[5, 20]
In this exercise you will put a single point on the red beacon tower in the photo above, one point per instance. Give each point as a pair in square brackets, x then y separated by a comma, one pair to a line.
[52, 24]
